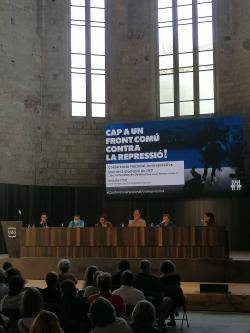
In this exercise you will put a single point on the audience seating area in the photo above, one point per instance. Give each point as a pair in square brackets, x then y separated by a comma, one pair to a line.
[124, 302]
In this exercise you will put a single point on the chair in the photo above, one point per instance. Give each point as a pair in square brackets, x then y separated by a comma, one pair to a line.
[179, 305]
[182, 308]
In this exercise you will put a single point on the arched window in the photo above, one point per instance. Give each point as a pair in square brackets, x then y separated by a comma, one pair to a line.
[88, 95]
[186, 57]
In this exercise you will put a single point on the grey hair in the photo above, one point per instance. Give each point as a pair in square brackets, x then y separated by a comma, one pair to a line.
[63, 265]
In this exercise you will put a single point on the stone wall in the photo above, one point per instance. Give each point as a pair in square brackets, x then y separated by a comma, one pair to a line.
[40, 143]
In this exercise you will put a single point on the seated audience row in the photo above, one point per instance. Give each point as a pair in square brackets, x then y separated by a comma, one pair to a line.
[124, 302]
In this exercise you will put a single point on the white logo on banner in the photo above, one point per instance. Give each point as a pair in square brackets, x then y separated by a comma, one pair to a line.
[235, 185]
[11, 232]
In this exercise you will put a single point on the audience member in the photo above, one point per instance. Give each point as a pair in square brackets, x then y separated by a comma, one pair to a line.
[11, 303]
[91, 290]
[3, 286]
[89, 276]
[7, 265]
[143, 318]
[12, 272]
[172, 293]
[31, 305]
[104, 320]
[46, 322]
[104, 284]
[129, 294]
[51, 294]
[148, 283]
[73, 308]
[64, 274]
[116, 278]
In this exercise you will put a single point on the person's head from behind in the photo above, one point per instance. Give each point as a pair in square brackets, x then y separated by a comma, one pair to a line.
[51, 280]
[77, 217]
[16, 285]
[68, 289]
[166, 218]
[127, 278]
[7, 265]
[124, 265]
[101, 312]
[137, 214]
[167, 267]
[89, 275]
[32, 303]
[145, 266]
[96, 274]
[46, 322]
[144, 314]
[208, 218]
[64, 265]
[12, 272]
[104, 282]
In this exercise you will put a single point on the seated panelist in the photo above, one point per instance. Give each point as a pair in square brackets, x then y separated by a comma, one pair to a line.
[77, 222]
[137, 220]
[43, 220]
[208, 219]
[103, 222]
[166, 221]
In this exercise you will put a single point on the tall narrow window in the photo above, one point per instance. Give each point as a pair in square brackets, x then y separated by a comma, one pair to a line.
[186, 65]
[88, 95]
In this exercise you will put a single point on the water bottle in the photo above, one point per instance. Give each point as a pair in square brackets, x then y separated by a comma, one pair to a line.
[152, 225]
[123, 225]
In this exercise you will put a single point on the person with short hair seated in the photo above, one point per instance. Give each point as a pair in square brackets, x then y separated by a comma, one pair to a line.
[103, 222]
[46, 322]
[76, 222]
[137, 220]
[31, 305]
[92, 289]
[51, 294]
[143, 318]
[104, 284]
[148, 283]
[129, 294]
[116, 278]
[104, 320]
[172, 292]
[64, 274]
[166, 221]
[11, 303]
[7, 265]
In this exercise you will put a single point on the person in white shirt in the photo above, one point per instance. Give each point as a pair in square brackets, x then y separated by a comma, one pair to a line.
[130, 295]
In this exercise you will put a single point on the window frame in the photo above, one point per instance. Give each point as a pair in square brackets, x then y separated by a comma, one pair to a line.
[89, 69]
[195, 63]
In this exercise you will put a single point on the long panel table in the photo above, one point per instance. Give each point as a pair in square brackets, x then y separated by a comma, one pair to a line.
[150, 242]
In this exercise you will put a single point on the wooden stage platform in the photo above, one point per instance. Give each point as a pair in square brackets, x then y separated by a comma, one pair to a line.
[236, 269]
[237, 300]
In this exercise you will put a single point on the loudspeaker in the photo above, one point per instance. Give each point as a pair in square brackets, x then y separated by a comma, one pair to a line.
[213, 288]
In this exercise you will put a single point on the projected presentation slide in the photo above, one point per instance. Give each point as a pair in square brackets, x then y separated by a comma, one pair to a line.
[187, 156]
